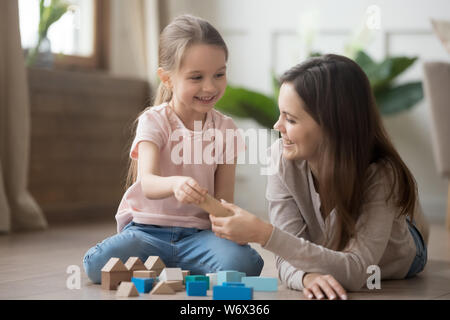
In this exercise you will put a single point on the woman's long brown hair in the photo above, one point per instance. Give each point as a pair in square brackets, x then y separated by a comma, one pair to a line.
[338, 96]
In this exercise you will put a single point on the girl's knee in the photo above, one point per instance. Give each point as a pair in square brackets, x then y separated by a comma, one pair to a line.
[92, 265]
[244, 259]
[97, 256]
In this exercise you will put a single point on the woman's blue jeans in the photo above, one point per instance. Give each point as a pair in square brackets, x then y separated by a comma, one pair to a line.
[420, 260]
[199, 251]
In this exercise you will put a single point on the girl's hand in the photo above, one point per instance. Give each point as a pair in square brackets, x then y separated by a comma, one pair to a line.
[187, 190]
[242, 227]
[316, 284]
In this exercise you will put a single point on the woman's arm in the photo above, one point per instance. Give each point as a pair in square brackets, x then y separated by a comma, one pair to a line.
[185, 189]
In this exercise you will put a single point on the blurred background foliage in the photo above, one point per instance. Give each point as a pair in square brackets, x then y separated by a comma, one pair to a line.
[391, 97]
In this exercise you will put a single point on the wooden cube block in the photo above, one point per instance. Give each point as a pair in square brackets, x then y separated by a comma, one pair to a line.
[185, 273]
[171, 274]
[144, 274]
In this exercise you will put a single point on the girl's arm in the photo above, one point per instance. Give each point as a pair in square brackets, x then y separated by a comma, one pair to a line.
[224, 182]
[185, 189]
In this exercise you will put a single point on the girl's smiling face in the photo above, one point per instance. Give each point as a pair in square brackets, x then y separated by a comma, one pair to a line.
[301, 134]
[200, 80]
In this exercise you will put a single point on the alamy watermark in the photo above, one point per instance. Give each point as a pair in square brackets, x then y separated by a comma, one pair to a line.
[213, 146]
[374, 280]
[74, 280]
[373, 21]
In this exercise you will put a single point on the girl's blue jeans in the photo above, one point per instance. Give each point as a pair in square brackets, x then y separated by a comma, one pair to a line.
[199, 251]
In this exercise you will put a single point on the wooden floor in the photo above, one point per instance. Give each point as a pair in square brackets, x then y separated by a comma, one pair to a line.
[33, 265]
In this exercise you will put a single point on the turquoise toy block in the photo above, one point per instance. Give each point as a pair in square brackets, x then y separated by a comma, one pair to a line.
[196, 288]
[261, 283]
[229, 276]
[143, 285]
[197, 278]
[232, 293]
[233, 284]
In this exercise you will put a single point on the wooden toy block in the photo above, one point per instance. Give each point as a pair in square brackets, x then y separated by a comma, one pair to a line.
[261, 283]
[212, 279]
[233, 284]
[185, 273]
[229, 276]
[171, 274]
[143, 285]
[232, 293]
[214, 207]
[162, 288]
[155, 263]
[127, 289]
[144, 274]
[134, 264]
[196, 288]
[176, 285]
[114, 272]
[197, 278]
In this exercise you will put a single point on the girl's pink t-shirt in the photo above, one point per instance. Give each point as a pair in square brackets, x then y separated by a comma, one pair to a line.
[182, 153]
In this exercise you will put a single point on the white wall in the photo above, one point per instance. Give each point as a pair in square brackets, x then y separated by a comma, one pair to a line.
[262, 36]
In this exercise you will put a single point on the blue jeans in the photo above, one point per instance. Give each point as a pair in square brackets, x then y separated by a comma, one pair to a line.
[420, 260]
[199, 251]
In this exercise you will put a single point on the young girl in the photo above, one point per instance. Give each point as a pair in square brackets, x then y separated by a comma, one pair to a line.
[341, 199]
[158, 215]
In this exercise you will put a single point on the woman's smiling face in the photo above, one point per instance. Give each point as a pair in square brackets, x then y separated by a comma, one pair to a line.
[301, 134]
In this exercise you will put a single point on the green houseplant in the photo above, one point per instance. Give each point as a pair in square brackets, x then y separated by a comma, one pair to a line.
[49, 13]
[391, 98]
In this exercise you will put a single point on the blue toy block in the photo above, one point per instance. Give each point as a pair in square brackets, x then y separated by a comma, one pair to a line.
[233, 284]
[196, 288]
[198, 278]
[232, 293]
[229, 276]
[261, 283]
[143, 285]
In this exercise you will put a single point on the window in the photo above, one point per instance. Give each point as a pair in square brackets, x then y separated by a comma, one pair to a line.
[78, 38]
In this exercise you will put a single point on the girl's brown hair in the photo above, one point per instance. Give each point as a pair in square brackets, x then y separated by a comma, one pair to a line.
[183, 32]
[338, 96]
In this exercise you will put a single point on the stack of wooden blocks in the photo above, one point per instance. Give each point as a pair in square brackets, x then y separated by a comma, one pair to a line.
[154, 277]
[136, 277]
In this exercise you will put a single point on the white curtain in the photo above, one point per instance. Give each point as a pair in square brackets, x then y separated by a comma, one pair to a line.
[18, 209]
[134, 39]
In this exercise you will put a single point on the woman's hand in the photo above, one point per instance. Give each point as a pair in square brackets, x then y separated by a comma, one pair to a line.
[316, 284]
[242, 227]
[187, 190]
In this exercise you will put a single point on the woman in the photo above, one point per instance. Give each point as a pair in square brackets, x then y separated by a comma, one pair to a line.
[341, 199]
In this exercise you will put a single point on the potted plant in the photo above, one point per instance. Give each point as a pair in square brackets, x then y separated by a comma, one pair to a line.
[49, 13]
